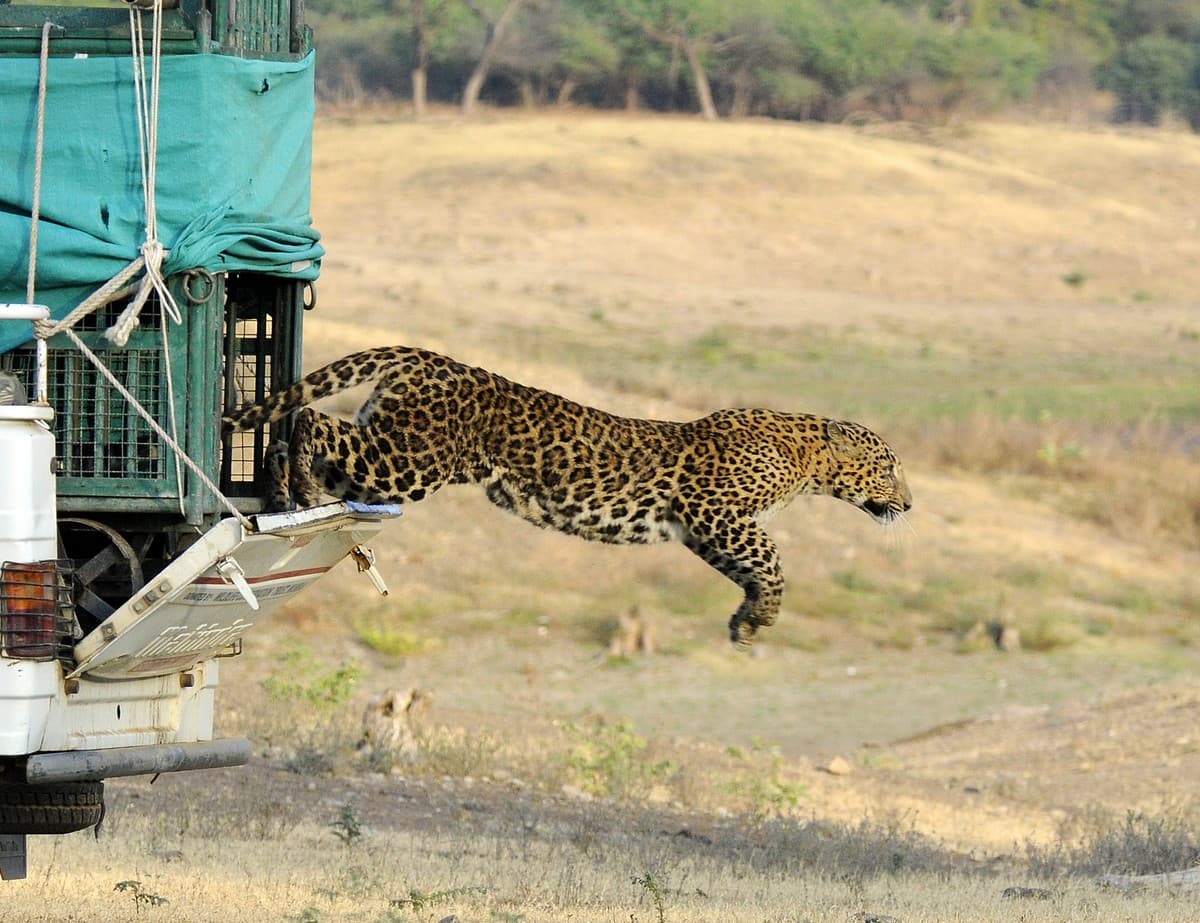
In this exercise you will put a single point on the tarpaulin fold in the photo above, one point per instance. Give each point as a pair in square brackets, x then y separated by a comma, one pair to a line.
[233, 186]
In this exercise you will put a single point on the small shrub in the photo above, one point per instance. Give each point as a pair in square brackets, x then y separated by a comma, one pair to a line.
[609, 759]
[391, 641]
[420, 900]
[347, 827]
[456, 752]
[1067, 457]
[1030, 576]
[268, 819]
[1048, 633]
[311, 759]
[861, 852]
[355, 881]
[651, 886]
[854, 580]
[313, 697]
[768, 793]
[139, 895]
[711, 347]
[900, 637]
[300, 679]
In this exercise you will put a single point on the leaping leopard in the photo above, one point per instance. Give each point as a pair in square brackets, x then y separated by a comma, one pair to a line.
[708, 483]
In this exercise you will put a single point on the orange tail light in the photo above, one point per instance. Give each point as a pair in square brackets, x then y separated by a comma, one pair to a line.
[29, 610]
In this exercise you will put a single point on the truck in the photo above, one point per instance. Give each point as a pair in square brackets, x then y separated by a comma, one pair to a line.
[158, 260]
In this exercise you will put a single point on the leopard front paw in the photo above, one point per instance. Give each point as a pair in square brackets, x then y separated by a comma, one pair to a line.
[278, 503]
[742, 630]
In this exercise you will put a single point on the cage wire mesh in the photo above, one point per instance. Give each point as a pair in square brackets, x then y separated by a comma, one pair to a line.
[249, 350]
[98, 434]
[106, 446]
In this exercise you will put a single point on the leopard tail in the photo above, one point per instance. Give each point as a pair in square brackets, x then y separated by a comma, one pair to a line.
[331, 379]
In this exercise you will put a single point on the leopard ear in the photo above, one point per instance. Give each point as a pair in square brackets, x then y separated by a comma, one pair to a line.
[841, 439]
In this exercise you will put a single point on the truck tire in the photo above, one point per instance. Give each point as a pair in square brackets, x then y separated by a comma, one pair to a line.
[60, 807]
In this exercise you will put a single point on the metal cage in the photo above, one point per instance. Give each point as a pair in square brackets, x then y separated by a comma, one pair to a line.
[239, 341]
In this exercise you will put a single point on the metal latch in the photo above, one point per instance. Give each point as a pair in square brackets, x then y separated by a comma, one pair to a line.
[365, 559]
[232, 571]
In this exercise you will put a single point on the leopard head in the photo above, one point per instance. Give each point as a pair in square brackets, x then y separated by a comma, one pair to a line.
[865, 472]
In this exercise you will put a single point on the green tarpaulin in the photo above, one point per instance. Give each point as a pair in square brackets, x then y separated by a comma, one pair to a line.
[234, 163]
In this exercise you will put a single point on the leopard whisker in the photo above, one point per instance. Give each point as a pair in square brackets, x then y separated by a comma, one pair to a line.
[896, 538]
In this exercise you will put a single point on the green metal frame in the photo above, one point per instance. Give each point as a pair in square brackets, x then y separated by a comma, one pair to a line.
[271, 29]
[120, 469]
[272, 348]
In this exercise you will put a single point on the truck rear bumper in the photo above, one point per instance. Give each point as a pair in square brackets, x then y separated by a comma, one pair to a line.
[87, 765]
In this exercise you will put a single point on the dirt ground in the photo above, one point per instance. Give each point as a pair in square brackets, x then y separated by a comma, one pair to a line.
[983, 785]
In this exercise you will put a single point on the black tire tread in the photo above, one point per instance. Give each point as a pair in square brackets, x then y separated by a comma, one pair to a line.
[61, 807]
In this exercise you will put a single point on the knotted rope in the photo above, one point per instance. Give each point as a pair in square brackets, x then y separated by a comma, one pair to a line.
[145, 92]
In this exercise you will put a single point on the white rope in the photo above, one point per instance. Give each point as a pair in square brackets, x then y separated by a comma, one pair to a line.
[39, 148]
[41, 362]
[111, 290]
[146, 105]
[145, 90]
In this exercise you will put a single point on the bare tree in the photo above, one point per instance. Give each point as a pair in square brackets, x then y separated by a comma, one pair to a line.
[420, 40]
[495, 29]
[427, 17]
[676, 28]
[691, 51]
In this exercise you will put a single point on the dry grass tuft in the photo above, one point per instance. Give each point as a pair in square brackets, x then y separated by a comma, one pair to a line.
[1093, 843]
[1141, 481]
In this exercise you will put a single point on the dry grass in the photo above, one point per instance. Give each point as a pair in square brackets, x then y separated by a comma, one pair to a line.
[1140, 481]
[1135, 845]
[982, 213]
[588, 871]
